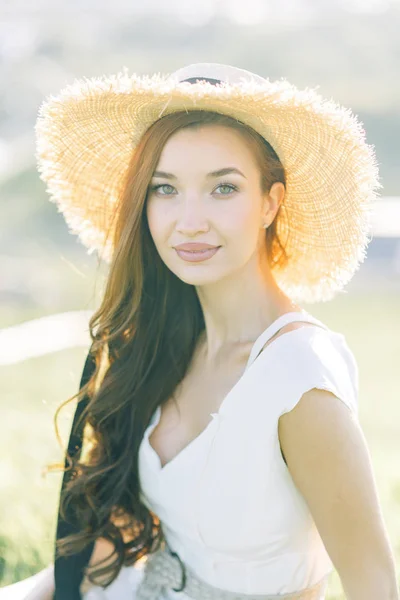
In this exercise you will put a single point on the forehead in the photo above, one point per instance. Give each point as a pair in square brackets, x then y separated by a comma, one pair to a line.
[209, 146]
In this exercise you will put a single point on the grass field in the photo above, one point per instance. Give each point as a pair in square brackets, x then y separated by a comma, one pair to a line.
[32, 390]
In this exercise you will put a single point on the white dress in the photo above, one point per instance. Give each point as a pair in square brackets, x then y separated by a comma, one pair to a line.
[227, 502]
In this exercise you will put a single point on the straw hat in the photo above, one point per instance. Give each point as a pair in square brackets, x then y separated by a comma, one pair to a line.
[86, 134]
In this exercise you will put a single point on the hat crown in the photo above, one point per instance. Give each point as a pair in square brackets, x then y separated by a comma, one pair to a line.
[216, 71]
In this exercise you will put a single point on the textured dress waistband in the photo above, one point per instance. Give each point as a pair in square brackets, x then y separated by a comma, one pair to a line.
[164, 569]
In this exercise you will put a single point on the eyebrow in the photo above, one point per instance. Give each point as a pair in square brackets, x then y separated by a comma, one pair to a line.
[219, 173]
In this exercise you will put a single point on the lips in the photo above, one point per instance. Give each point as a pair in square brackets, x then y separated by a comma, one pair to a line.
[195, 247]
[197, 255]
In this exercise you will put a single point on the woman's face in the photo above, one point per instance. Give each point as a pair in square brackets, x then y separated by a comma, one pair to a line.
[206, 189]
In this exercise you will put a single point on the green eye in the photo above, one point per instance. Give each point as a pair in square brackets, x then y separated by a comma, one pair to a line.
[228, 187]
[156, 188]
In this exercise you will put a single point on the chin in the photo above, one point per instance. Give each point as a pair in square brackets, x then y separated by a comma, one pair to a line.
[192, 278]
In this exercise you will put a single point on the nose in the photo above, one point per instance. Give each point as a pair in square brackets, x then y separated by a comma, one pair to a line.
[191, 218]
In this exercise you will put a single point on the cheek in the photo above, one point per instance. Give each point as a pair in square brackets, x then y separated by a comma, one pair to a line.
[243, 233]
[242, 223]
[158, 220]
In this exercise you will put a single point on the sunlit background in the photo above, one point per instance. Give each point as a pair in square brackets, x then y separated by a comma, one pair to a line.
[49, 285]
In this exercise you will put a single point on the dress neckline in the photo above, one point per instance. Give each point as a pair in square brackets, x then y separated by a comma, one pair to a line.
[255, 351]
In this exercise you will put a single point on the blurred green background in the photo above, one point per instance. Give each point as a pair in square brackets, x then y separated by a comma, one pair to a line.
[49, 285]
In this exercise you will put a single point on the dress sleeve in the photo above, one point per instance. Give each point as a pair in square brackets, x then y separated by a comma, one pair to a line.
[69, 570]
[320, 360]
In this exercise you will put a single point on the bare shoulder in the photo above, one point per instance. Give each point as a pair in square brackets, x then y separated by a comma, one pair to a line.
[287, 328]
[295, 325]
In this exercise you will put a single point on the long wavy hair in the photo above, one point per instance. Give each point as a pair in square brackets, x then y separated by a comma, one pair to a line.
[143, 338]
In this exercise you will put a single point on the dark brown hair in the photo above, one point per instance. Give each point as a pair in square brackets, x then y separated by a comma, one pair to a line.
[149, 322]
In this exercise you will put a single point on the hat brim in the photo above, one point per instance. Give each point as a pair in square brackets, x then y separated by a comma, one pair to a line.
[85, 137]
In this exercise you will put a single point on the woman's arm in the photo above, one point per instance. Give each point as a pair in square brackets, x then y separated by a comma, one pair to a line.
[328, 459]
[102, 550]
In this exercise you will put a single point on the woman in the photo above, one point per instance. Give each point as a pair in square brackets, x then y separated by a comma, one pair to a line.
[223, 457]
